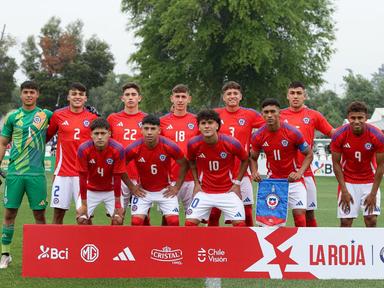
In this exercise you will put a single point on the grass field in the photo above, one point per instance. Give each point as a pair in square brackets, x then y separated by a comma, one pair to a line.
[326, 216]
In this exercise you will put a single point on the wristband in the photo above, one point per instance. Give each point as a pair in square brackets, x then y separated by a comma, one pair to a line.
[236, 182]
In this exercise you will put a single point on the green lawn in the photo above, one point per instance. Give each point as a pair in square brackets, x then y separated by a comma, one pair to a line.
[326, 216]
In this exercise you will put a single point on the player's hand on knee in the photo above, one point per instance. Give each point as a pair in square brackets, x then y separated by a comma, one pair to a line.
[256, 176]
[118, 217]
[370, 203]
[236, 189]
[345, 202]
[138, 192]
[196, 189]
[83, 220]
[294, 176]
[170, 192]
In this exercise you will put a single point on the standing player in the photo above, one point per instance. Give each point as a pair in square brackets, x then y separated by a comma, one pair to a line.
[354, 147]
[280, 142]
[152, 155]
[211, 157]
[307, 121]
[26, 128]
[126, 128]
[238, 122]
[180, 126]
[71, 124]
[100, 163]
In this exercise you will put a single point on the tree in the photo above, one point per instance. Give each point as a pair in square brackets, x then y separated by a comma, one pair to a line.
[264, 45]
[62, 57]
[8, 68]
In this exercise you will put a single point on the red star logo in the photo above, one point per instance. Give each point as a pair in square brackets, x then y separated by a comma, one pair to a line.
[283, 259]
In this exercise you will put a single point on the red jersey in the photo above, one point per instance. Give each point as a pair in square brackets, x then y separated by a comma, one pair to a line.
[153, 164]
[280, 147]
[126, 128]
[179, 129]
[215, 162]
[72, 130]
[307, 121]
[100, 165]
[239, 124]
[358, 152]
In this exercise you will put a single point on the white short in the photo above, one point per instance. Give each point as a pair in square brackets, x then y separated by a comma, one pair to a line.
[64, 189]
[141, 205]
[95, 198]
[297, 196]
[359, 192]
[310, 186]
[126, 193]
[246, 191]
[185, 193]
[229, 203]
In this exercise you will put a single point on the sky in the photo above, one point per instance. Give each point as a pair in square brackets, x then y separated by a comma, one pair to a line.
[359, 43]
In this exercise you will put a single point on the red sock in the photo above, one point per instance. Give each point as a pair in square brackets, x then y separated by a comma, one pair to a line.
[300, 220]
[164, 221]
[190, 223]
[172, 220]
[147, 220]
[248, 215]
[239, 224]
[214, 218]
[137, 221]
[311, 222]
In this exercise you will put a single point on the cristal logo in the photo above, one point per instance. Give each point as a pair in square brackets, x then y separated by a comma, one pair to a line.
[211, 255]
[53, 253]
[167, 255]
[89, 253]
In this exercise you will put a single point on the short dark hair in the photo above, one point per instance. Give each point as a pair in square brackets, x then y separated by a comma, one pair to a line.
[208, 115]
[180, 88]
[296, 84]
[270, 101]
[100, 123]
[132, 85]
[357, 106]
[78, 86]
[29, 85]
[230, 85]
[151, 119]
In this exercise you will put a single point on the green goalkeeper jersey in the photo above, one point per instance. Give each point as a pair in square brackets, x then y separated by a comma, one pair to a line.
[27, 130]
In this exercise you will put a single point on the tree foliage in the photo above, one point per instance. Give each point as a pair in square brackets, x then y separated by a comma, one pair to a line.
[264, 45]
[61, 56]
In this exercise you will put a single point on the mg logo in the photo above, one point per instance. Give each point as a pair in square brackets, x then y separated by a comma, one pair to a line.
[53, 253]
[89, 253]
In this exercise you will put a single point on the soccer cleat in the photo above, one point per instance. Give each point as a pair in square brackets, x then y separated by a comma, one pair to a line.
[5, 261]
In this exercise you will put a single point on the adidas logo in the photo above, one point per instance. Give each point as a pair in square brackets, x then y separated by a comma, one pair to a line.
[347, 145]
[65, 123]
[120, 124]
[169, 127]
[238, 215]
[125, 255]
[92, 161]
[142, 160]
[265, 144]
[312, 205]
[175, 210]
[201, 155]
[299, 203]
[247, 199]
[377, 209]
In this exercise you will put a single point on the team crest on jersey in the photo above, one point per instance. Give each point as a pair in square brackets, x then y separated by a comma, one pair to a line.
[140, 124]
[368, 146]
[223, 155]
[191, 126]
[86, 123]
[134, 208]
[306, 120]
[241, 122]
[36, 119]
[272, 201]
[286, 121]
[162, 157]
[284, 143]
[109, 161]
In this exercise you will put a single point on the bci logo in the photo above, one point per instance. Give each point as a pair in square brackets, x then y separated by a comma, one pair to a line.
[53, 253]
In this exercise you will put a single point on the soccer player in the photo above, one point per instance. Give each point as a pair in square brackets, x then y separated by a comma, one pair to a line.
[26, 127]
[280, 142]
[211, 157]
[71, 124]
[180, 126]
[354, 147]
[100, 163]
[126, 128]
[307, 121]
[152, 155]
[238, 122]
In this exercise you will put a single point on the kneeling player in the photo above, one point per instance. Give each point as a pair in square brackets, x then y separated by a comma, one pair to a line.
[100, 161]
[211, 156]
[152, 155]
[354, 147]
